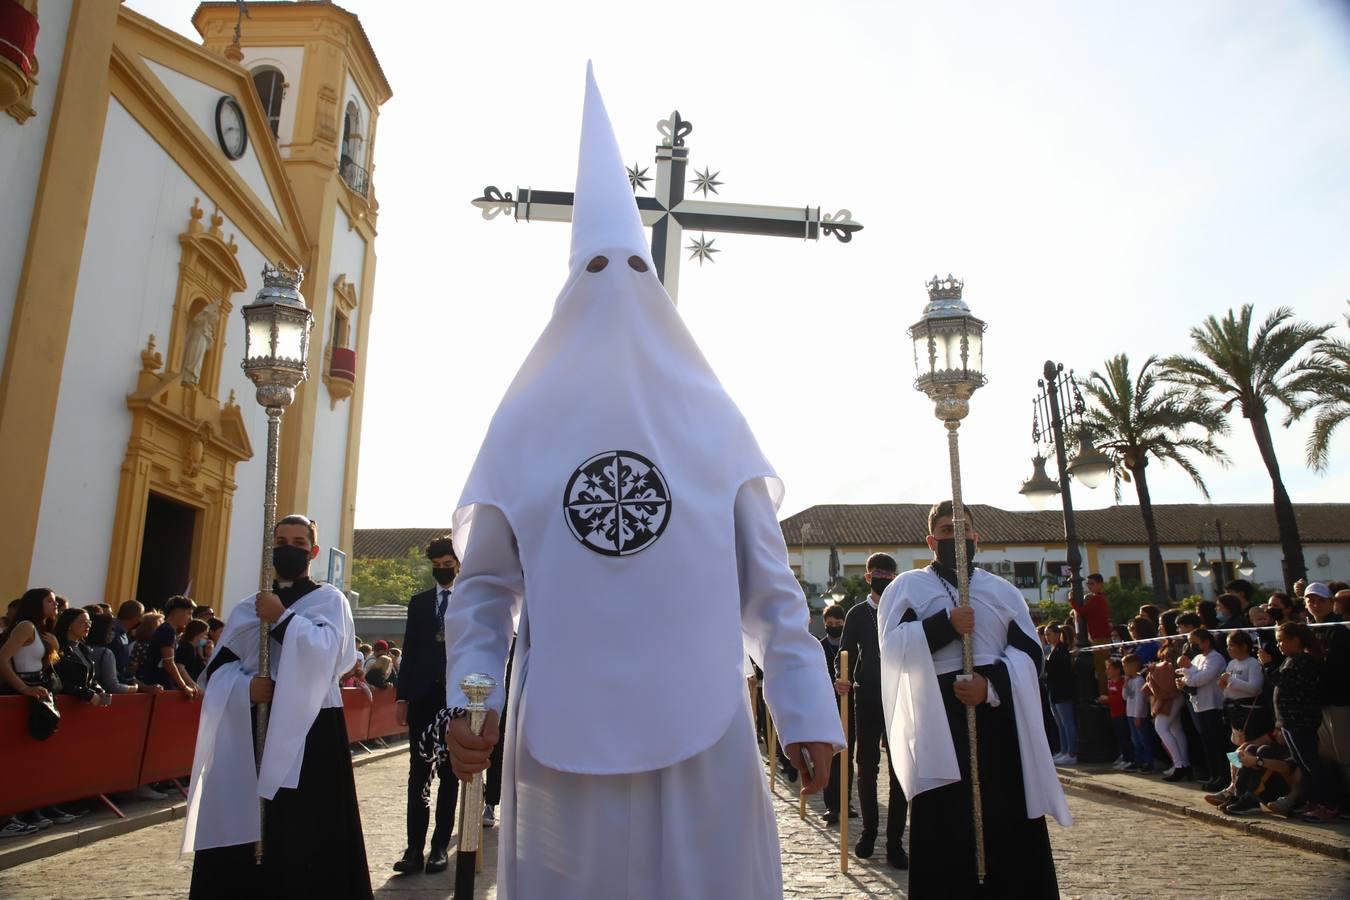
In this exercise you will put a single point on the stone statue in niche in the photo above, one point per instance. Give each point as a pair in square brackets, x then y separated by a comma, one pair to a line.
[201, 334]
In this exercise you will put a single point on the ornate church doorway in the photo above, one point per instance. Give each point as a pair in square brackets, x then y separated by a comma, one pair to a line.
[166, 551]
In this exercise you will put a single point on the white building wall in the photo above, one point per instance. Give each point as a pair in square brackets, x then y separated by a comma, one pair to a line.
[1267, 558]
[22, 149]
[329, 462]
[200, 101]
[125, 292]
[290, 61]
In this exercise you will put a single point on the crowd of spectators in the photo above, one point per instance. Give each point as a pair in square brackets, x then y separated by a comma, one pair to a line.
[48, 647]
[1249, 700]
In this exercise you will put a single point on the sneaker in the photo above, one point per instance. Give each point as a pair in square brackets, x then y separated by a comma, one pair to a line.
[1146, 769]
[1283, 807]
[1320, 813]
[36, 819]
[489, 816]
[1179, 773]
[1118, 763]
[146, 792]
[1240, 806]
[58, 816]
[1130, 767]
[1219, 798]
[17, 828]
[1167, 772]
[1067, 760]
[1056, 758]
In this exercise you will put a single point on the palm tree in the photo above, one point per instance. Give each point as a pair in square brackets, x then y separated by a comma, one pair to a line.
[1326, 384]
[1132, 419]
[1231, 366]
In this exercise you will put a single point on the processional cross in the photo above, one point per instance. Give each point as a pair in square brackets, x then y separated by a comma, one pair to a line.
[670, 212]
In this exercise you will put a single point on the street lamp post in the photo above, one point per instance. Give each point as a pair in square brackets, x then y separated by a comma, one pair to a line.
[1060, 405]
[949, 365]
[1057, 407]
[276, 345]
[1204, 568]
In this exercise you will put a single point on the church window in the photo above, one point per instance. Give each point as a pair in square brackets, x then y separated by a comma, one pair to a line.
[340, 330]
[351, 134]
[271, 87]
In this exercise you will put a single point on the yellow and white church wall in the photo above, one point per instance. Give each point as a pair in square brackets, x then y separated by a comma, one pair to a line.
[174, 227]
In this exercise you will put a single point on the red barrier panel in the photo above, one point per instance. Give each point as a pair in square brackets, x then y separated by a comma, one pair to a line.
[171, 739]
[356, 705]
[382, 722]
[97, 750]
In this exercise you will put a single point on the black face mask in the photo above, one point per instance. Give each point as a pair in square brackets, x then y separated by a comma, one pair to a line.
[445, 576]
[834, 631]
[290, 562]
[879, 584]
[946, 554]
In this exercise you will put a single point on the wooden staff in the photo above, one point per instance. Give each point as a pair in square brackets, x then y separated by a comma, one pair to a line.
[770, 748]
[845, 768]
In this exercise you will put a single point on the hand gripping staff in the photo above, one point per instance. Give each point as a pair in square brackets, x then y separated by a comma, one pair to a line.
[477, 688]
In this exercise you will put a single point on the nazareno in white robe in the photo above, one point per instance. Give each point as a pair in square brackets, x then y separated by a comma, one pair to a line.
[320, 646]
[701, 828]
[621, 506]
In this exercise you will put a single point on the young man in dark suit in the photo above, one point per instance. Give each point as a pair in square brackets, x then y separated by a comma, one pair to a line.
[421, 694]
[864, 680]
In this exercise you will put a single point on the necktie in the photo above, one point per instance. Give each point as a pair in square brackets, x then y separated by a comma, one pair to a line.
[440, 609]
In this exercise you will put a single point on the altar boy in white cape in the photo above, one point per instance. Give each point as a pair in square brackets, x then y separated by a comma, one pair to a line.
[621, 510]
[924, 700]
[313, 844]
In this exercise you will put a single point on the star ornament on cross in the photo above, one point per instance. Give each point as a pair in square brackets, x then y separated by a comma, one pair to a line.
[669, 212]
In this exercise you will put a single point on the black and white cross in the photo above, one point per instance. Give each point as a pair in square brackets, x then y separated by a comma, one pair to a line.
[670, 212]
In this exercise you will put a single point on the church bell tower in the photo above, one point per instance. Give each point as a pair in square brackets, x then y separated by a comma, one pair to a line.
[320, 86]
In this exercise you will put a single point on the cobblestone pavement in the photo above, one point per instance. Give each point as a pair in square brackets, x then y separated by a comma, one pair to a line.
[1115, 849]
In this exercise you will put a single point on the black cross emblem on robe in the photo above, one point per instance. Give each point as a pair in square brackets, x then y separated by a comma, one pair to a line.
[670, 212]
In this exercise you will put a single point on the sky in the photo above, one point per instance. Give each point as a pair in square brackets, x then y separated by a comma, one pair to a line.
[1103, 176]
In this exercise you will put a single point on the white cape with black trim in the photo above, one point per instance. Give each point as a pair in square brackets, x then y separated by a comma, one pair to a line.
[319, 647]
[916, 723]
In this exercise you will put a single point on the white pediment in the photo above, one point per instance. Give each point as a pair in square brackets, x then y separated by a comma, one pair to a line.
[199, 100]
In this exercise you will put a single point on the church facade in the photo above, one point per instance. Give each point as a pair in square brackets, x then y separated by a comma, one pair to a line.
[148, 180]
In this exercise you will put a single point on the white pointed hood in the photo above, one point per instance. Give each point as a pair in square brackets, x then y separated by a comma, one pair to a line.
[604, 211]
[616, 457]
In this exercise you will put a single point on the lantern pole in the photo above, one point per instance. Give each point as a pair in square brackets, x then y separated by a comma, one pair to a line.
[952, 340]
[279, 319]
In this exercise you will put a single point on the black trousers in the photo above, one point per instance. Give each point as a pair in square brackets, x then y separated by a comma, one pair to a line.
[421, 712]
[1214, 742]
[871, 737]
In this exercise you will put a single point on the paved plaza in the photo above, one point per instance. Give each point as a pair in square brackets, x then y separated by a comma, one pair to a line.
[1115, 849]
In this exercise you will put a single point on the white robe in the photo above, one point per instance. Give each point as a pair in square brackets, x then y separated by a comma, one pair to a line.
[700, 828]
[916, 723]
[319, 646]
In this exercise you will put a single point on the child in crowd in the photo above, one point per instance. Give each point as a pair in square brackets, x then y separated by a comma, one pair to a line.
[1114, 699]
[1059, 684]
[1136, 714]
[1298, 711]
[1167, 707]
[1242, 683]
[1201, 672]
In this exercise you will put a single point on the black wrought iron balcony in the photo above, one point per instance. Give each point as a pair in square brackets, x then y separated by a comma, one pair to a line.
[357, 178]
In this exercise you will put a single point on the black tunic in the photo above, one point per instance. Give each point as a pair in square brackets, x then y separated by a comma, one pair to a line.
[312, 840]
[1018, 859]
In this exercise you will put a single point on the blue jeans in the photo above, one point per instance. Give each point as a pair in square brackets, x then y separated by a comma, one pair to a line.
[1068, 727]
[1142, 735]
